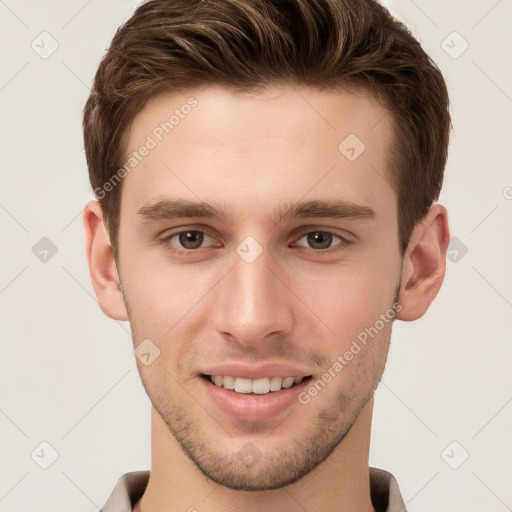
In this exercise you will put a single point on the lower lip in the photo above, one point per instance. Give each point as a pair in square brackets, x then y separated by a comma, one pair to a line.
[252, 407]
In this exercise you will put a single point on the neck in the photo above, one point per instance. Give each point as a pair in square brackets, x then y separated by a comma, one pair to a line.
[339, 483]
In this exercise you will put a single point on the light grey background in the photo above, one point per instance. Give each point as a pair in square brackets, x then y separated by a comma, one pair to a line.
[68, 375]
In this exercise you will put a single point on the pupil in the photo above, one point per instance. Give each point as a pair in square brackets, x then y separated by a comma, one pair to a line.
[324, 239]
[190, 237]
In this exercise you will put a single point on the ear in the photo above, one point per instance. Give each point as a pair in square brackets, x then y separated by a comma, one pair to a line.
[424, 264]
[102, 265]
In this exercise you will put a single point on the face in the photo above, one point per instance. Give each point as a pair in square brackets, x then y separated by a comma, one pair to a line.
[293, 261]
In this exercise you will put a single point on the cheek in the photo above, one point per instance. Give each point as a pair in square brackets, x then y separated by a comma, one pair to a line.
[160, 292]
[345, 299]
[170, 299]
[169, 305]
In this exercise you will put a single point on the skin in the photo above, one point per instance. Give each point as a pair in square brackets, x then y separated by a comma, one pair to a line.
[294, 304]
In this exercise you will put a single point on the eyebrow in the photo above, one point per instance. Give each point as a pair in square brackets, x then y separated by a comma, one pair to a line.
[167, 209]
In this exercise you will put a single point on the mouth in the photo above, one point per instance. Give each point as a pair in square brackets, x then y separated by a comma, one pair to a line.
[253, 400]
[261, 386]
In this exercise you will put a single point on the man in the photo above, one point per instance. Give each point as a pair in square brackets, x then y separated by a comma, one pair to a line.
[266, 175]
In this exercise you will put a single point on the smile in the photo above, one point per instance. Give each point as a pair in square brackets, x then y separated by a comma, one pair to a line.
[252, 400]
[257, 386]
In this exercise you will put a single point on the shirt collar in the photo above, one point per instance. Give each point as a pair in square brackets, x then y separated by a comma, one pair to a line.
[384, 491]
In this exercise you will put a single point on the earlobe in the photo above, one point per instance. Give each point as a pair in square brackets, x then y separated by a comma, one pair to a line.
[102, 266]
[424, 264]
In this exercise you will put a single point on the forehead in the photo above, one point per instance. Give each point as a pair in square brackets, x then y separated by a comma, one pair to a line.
[253, 150]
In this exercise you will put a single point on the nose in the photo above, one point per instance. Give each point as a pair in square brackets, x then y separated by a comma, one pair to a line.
[253, 301]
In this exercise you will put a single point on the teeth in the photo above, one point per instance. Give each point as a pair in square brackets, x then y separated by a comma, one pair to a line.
[261, 386]
[243, 385]
[288, 382]
[257, 386]
[228, 382]
[275, 383]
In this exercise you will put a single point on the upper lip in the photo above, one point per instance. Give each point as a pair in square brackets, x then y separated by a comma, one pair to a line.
[254, 372]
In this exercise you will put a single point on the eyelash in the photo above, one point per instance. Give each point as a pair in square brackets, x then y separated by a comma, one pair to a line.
[166, 241]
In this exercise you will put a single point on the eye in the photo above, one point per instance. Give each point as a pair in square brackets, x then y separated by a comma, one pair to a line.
[188, 240]
[322, 240]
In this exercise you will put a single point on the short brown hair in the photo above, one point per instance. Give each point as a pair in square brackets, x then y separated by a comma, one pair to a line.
[243, 45]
